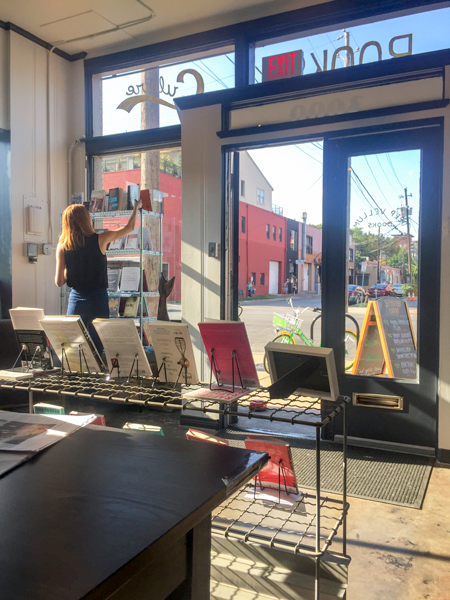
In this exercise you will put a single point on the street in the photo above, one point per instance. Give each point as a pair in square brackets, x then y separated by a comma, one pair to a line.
[258, 316]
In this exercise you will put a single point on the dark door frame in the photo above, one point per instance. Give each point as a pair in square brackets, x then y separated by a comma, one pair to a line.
[417, 423]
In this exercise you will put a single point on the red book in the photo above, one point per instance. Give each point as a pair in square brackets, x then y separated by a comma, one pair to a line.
[202, 436]
[279, 452]
[144, 196]
[223, 340]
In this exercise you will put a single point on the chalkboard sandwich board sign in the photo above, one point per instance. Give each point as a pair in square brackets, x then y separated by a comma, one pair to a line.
[387, 341]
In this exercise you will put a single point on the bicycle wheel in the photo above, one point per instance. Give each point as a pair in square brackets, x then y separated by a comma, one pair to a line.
[351, 343]
[283, 338]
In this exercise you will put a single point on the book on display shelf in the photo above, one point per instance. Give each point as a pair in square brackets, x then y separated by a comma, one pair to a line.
[114, 279]
[132, 195]
[118, 244]
[129, 282]
[226, 343]
[280, 466]
[115, 201]
[144, 196]
[72, 343]
[114, 305]
[77, 198]
[131, 307]
[97, 202]
[173, 352]
[123, 348]
[134, 242]
[217, 393]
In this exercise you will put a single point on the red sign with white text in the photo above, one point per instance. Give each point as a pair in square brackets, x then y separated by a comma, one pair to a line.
[282, 66]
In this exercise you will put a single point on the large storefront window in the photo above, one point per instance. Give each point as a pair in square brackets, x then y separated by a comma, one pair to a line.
[142, 98]
[360, 44]
[160, 173]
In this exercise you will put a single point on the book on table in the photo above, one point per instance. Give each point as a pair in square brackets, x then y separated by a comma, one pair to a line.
[279, 472]
[129, 282]
[115, 200]
[99, 419]
[97, 202]
[42, 408]
[201, 436]
[173, 352]
[226, 343]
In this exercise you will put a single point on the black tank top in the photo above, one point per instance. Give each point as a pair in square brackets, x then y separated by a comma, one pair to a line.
[86, 267]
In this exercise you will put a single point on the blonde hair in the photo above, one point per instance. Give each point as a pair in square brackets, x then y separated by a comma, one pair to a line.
[76, 225]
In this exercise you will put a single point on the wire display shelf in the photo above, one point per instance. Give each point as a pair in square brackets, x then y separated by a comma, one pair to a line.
[288, 528]
[122, 213]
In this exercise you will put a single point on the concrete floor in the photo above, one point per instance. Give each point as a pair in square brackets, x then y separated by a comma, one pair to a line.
[397, 553]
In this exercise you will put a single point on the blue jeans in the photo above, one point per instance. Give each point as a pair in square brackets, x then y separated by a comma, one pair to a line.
[90, 306]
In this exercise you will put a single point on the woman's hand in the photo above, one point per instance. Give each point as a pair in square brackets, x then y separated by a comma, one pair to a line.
[137, 204]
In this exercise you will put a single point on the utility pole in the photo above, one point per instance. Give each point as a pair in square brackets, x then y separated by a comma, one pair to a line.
[347, 43]
[378, 260]
[407, 211]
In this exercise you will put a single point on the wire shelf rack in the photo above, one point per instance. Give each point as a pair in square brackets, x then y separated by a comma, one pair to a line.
[287, 528]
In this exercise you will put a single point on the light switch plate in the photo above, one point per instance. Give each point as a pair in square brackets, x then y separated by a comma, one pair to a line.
[46, 249]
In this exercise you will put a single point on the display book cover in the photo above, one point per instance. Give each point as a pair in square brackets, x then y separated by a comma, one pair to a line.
[29, 332]
[278, 450]
[223, 339]
[115, 201]
[70, 332]
[122, 346]
[97, 201]
[173, 348]
[132, 195]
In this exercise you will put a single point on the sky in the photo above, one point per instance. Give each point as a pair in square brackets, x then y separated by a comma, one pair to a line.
[295, 172]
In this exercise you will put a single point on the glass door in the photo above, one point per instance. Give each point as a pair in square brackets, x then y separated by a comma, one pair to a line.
[381, 266]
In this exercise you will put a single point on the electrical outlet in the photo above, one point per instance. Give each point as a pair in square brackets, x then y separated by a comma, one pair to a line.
[46, 249]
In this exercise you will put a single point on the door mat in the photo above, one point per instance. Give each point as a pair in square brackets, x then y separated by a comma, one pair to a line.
[378, 475]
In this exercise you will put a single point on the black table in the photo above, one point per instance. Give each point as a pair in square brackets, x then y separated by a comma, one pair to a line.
[115, 514]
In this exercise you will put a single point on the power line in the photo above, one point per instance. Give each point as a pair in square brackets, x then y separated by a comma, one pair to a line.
[384, 172]
[376, 181]
[393, 170]
[309, 155]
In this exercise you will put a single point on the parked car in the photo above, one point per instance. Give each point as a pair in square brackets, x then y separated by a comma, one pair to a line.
[356, 294]
[399, 291]
[381, 289]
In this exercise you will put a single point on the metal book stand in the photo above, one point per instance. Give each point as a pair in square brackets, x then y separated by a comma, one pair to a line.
[38, 360]
[81, 357]
[234, 364]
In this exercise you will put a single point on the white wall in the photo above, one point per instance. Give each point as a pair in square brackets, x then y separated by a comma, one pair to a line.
[33, 284]
[201, 219]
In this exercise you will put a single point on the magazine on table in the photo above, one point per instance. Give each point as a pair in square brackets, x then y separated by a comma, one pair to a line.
[24, 432]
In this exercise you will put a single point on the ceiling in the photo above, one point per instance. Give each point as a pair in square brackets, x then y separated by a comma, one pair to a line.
[104, 26]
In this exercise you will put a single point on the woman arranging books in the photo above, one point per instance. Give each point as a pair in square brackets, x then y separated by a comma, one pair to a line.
[81, 263]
